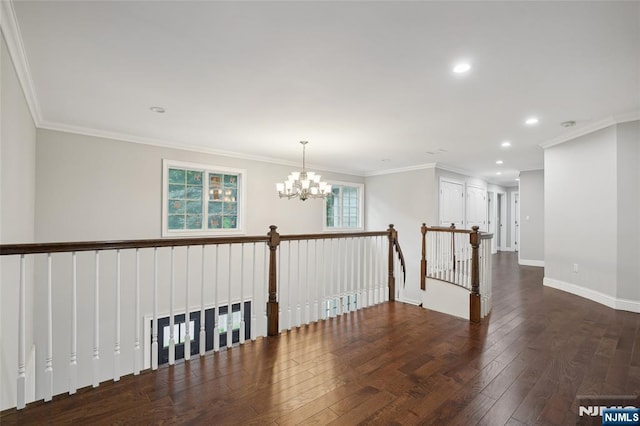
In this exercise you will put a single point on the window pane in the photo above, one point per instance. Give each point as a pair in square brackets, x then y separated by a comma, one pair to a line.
[342, 207]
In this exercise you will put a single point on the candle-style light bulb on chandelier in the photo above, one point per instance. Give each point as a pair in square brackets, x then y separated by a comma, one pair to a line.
[303, 184]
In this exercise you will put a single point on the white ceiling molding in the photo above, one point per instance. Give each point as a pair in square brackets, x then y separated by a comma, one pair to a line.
[456, 170]
[185, 147]
[592, 127]
[13, 38]
[401, 169]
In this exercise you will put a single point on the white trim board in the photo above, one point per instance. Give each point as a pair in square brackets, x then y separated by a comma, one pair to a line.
[591, 127]
[528, 262]
[596, 296]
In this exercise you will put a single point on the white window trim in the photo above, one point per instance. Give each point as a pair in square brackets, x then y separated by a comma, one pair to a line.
[242, 198]
[360, 226]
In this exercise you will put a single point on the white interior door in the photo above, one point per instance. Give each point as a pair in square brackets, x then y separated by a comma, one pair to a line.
[492, 220]
[502, 221]
[451, 203]
[476, 207]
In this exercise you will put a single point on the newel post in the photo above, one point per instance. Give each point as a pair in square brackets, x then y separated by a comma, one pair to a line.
[423, 261]
[393, 237]
[272, 303]
[474, 297]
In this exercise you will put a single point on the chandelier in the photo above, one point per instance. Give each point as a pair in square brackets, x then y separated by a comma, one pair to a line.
[303, 184]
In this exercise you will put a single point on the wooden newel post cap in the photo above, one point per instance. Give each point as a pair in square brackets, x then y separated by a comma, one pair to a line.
[274, 237]
[453, 226]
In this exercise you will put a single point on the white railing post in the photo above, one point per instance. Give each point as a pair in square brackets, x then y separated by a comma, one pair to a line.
[154, 328]
[203, 336]
[253, 324]
[48, 362]
[242, 332]
[116, 349]
[96, 324]
[172, 340]
[216, 307]
[137, 364]
[307, 313]
[298, 288]
[73, 358]
[21, 381]
[229, 304]
[187, 315]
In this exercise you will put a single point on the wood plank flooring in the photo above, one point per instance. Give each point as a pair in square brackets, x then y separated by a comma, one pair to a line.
[391, 364]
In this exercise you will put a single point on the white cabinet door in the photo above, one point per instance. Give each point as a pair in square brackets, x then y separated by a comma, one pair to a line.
[476, 207]
[451, 203]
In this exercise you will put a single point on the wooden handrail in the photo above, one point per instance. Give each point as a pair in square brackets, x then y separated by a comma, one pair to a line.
[59, 247]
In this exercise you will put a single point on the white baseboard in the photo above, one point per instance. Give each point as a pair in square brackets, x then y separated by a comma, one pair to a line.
[505, 249]
[596, 296]
[409, 301]
[527, 262]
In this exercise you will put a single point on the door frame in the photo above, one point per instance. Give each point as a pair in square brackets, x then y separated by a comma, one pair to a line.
[515, 221]
[502, 221]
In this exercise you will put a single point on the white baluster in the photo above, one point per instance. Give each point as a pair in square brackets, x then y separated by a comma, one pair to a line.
[265, 273]
[253, 323]
[136, 346]
[203, 336]
[187, 314]
[338, 293]
[323, 290]
[73, 359]
[229, 305]
[365, 274]
[96, 324]
[21, 381]
[116, 349]
[242, 331]
[298, 287]
[172, 339]
[307, 313]
[48, 362]
[154, 328]
[316, 286]
[216, 316]
[289, 285]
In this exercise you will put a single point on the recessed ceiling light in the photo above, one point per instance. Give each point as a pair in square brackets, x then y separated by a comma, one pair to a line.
[498, 173]
[506, 144]
[569, 123]
[518, 179]
[157, 109]
[461, 68]
[499, 162]
[531, 121]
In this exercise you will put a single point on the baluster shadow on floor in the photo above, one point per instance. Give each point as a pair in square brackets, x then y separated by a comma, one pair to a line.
[390, 364]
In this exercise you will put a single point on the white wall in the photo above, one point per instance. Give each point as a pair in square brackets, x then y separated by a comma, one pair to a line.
[629, 210]
[532, 218]
[406, 199]
[90, 188]
[17, 210]
[591, 216]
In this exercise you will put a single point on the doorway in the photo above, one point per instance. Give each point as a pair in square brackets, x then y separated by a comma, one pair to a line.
[501, 221]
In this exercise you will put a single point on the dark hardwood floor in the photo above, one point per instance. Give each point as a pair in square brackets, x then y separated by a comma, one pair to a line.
[391, 364]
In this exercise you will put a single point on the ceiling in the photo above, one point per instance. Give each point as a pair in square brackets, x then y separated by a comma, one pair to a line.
[368, 84]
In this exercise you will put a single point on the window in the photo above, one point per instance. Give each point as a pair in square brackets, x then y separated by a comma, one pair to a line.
[201, 200]
[343, 208]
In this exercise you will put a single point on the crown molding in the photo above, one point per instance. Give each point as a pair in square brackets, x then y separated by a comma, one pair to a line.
[453, 169]
[592, 127]
[161, 143]
[13, 38]
[401, 169]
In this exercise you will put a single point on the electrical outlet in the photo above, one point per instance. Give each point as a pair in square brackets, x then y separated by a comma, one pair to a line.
[575, 268]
